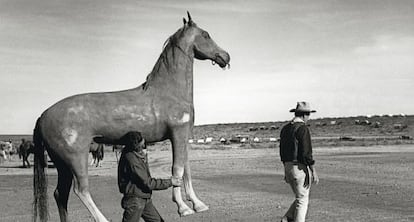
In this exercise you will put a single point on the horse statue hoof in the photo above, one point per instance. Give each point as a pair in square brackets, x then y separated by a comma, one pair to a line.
[186, 212]
[201, 208]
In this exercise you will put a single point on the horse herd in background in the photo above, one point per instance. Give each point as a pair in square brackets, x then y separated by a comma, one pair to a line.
[234, 139]
[26, 147]
[97, 151]
[7, 149]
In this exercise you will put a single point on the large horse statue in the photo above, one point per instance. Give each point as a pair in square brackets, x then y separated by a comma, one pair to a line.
[161, 108]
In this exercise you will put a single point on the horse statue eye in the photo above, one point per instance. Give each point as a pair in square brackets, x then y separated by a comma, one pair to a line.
[205, 35]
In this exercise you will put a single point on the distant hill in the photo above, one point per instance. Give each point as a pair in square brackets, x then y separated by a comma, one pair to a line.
[359, 130]
[324, 127]
[326, 131]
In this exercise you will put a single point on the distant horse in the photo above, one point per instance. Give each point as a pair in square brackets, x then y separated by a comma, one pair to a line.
[25, 149]
[161, 108]
[117, 149]
[97, 150]
[6, 149]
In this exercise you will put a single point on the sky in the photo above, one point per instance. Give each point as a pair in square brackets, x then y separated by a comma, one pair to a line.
[346, 58]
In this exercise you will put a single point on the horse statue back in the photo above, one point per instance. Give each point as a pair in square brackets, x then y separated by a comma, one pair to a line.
[161, 108]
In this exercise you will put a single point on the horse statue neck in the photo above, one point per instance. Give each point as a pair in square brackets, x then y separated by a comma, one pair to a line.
[174, 70]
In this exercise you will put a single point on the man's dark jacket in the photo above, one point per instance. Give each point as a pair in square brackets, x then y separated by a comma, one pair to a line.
[295, 144]
[134, 178]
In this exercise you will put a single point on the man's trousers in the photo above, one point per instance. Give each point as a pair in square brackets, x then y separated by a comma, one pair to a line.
[135, 208]
[297, 175]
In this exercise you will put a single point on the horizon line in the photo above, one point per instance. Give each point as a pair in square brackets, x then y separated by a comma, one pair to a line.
[319, 118]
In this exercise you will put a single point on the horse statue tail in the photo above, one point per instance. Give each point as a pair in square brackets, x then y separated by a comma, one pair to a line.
[40, 205]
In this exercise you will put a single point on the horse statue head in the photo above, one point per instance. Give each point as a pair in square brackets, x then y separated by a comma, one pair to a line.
[197, 43]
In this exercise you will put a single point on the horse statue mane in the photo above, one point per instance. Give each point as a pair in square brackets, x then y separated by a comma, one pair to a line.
[167, 44]
[162, 108]
[165, 57]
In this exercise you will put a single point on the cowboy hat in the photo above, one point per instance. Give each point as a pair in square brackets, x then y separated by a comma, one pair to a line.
[302, 107]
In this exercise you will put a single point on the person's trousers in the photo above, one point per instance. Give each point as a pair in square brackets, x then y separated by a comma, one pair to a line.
[296, 175]
[135, 208]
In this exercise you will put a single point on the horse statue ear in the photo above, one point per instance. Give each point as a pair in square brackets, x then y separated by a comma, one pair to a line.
[184, 21]
[190, 21]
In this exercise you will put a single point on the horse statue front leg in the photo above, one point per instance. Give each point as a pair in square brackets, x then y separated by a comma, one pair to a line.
[181, 168]
[198, 205]
[180, 157]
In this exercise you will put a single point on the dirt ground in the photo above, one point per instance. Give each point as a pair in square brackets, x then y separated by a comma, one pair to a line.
[357, 184]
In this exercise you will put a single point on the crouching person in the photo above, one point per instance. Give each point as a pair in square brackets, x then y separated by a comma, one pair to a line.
[135, 181]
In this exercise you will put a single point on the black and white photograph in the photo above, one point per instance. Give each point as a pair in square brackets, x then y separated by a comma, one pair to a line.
[206, 110]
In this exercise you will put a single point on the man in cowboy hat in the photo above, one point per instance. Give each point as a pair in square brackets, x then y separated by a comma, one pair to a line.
[296, 155]
[135, 181]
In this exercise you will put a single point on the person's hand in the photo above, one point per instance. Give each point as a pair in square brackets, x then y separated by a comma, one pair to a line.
[315, 178]
[177, 181]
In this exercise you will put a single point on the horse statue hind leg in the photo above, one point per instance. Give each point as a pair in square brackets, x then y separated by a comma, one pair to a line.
[71, 161]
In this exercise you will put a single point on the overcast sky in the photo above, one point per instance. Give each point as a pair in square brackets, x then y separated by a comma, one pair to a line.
[347, 58]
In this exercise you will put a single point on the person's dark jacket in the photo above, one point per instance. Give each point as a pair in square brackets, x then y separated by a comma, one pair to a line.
[134, 177]
[295, 144]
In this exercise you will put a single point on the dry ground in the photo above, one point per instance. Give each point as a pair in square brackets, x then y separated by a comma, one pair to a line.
[357, 184]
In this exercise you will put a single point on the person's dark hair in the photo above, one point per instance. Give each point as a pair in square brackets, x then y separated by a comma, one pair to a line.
[132, 139]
